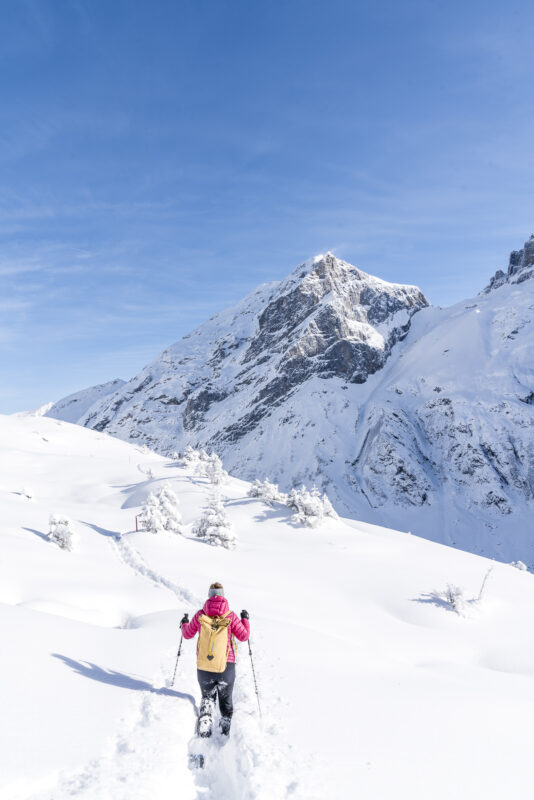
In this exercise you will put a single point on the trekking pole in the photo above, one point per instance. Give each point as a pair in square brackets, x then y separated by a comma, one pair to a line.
[254, 676]
[177, 657]
[179, 651]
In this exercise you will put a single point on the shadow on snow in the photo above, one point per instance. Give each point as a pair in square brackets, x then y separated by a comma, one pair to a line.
[121, 680]
[102, 531]
[41, 535]
[433, 599]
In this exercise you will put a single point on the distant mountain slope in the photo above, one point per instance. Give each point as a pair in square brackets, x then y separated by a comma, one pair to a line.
[418, 420]
[73, 407]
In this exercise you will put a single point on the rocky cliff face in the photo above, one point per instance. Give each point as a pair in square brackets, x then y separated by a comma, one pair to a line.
[327, 319]
[520, 267]
[423, 420]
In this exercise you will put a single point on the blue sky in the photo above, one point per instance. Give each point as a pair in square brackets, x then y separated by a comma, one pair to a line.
[160, 159]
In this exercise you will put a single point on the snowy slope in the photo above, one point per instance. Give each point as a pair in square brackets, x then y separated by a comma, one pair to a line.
[370, 686]
[406, 414]
[73, 407]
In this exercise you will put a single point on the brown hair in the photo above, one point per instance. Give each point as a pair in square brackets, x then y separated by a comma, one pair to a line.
[216, 585]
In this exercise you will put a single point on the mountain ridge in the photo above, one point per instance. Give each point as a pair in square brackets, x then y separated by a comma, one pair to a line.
[405, 413]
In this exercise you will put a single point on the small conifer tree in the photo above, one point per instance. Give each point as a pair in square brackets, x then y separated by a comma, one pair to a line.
[214, 526]
[161, 512]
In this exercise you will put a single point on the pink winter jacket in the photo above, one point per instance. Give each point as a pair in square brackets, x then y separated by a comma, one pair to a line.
[216, 607]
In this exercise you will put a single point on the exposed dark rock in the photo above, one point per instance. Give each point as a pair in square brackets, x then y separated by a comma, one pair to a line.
[198, 404]
[520, 267]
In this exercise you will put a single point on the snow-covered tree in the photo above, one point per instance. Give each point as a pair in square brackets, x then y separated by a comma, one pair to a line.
[189, 454]
[310, 507]
[60, 531]
[168, 501]
[161, 512]
[202, 464]
[28, 493]
[213, 469]
[519, 565]
[214, 526]
[328, 508]
[191, 458]
[151, 517]
[267, 491]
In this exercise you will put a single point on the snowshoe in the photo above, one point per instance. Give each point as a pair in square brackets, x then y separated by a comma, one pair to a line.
[224, 725]
[204, 725]
[196, 761]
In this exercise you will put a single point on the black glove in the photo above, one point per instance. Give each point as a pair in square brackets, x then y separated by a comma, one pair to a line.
[185, 619]
[244, 614]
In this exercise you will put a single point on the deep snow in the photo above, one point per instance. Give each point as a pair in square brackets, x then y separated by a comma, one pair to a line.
[370, 686]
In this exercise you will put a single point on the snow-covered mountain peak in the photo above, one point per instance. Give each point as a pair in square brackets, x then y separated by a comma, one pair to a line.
[520, 267]
[333, 312]
[330, 377]
[327, 318]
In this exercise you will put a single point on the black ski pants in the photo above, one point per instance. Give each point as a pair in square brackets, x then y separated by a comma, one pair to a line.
[221, 684]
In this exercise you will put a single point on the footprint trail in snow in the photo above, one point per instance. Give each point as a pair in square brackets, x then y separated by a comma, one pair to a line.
[148, 758]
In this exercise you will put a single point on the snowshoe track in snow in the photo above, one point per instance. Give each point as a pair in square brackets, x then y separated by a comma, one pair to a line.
[148, 758]
[130, 556]
[143, 761]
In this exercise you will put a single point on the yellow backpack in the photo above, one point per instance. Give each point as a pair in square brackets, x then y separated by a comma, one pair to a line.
[213, 642]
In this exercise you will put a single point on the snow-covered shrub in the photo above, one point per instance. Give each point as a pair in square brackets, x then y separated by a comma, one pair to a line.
[213, 469]
[267, 491]
[29, 493]
[60, 531]
[161, 512]
[214, 526]
[310, 507]
[456, 599]
[175, 456]
[519, 565]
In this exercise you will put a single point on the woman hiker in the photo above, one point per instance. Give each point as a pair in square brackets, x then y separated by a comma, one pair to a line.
[218, 628]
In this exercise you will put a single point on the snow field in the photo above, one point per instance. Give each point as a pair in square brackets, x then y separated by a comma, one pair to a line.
[370, 686]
